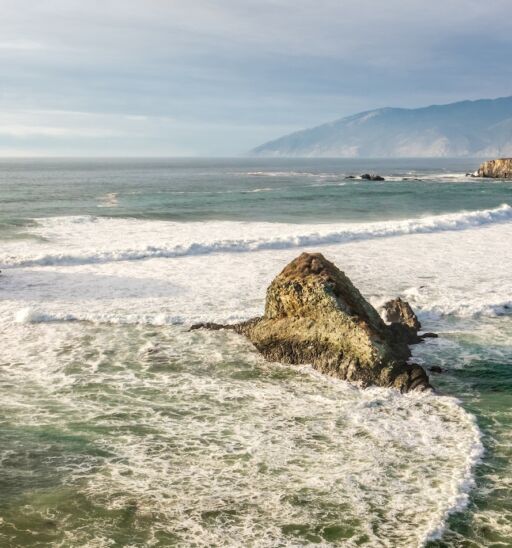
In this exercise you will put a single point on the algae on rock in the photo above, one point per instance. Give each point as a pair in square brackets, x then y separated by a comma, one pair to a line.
[315, 315]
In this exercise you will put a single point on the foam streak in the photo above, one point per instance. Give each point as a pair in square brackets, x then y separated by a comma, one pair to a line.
[347, 233]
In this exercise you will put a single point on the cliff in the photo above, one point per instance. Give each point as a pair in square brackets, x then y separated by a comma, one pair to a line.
[497, 169]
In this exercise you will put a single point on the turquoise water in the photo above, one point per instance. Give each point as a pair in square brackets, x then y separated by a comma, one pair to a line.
[121, 428]
[247, 190]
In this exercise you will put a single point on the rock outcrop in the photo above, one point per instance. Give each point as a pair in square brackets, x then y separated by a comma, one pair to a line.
[403, 321]
[315, 315]
[496, 169]
[372, 177]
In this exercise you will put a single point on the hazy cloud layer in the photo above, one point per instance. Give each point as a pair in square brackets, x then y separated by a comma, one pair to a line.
[218, 77]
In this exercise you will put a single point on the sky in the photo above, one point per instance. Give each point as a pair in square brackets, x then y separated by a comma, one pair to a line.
[219, 77]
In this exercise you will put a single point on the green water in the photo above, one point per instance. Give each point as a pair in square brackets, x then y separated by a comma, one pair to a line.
[480, 374]
[115, 448]
[124, 429]
[249, 190]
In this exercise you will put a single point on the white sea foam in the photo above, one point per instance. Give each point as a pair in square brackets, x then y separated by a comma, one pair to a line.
[201, 439]
[125, 240]
[408, 460]
[31, 315]
[461, 273]
[446, 177]
[449, 177]
[266, 189]
[109, 200]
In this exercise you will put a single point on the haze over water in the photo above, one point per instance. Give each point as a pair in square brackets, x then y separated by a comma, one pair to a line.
[121, 428]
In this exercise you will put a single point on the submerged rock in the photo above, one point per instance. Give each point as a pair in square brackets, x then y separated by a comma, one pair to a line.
[212, 326]
[496, 169]
[315, 315]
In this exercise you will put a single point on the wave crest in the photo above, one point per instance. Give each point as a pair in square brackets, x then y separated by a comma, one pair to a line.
[288, 237]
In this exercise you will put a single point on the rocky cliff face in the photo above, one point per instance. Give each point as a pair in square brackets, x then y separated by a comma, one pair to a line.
[315, 315]
[497, 169]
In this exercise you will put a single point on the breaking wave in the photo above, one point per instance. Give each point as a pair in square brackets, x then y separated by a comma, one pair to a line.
[186, 239]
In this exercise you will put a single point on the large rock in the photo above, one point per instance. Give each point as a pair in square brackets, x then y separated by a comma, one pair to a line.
[315, 315]
[497, 169]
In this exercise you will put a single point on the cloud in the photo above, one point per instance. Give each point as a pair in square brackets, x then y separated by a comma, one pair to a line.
[55, 132]
[20, 45]
[182, 73]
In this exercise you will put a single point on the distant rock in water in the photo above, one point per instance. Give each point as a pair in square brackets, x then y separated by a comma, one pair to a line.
[496, 169]
[372, 177]
[315, 315]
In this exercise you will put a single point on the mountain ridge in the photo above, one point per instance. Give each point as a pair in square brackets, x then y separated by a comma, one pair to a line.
[469, 128]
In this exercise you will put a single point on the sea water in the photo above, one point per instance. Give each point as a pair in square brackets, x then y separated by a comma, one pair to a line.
[119, 427]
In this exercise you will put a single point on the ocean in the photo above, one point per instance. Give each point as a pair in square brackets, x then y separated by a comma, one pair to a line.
[119, 427]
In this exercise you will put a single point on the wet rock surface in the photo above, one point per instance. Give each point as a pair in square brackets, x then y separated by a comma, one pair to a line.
[315, 315]
[372, 177]
[403, 321]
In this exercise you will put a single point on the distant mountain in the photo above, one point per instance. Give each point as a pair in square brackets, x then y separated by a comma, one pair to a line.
[480, 128]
